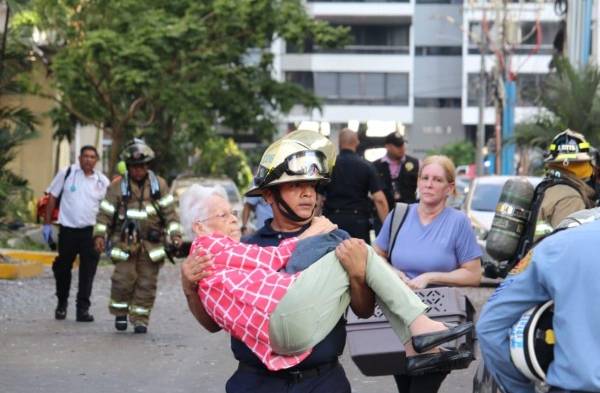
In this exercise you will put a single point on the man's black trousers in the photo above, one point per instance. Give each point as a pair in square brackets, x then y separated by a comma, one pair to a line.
[71, 242]
[355, 223]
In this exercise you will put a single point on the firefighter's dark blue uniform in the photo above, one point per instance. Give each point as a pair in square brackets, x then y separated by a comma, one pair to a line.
[318, 373]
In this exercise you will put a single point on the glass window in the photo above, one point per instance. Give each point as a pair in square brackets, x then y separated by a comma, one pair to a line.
[374, 86]
[326, 84]
[397, 87]
[302, 78]
[350, 85]
[485, 197]
[473, 90]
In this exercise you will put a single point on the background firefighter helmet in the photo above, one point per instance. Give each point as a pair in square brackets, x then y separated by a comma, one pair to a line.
[298, 156]
[568, 146]
[137, 152]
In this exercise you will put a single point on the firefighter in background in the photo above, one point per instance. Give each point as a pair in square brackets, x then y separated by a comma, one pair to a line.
[564, 190]
[137, 216]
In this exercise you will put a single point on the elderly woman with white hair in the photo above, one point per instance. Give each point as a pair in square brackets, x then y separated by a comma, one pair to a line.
[281, 316]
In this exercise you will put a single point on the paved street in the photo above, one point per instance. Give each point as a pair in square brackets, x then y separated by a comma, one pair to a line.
[39, 354]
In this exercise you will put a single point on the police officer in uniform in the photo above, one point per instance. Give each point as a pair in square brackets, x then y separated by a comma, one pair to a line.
[135, 215]
[347, 202]
[398, 172]
[564, 189]
[288, 174]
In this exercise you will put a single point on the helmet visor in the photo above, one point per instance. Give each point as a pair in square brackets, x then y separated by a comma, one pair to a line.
[306, 163]
[303, 163]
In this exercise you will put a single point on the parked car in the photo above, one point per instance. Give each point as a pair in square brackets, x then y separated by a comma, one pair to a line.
[482, 198]
[182, 183]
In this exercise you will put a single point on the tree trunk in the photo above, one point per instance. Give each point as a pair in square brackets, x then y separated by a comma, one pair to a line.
[117, 136]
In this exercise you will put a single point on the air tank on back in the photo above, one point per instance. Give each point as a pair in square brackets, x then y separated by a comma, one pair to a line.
[510, 221]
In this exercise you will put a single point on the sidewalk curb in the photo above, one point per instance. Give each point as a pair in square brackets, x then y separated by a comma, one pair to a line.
[43, 257]
[12, 271]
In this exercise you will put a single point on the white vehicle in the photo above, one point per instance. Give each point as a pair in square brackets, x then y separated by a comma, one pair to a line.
[482, 198]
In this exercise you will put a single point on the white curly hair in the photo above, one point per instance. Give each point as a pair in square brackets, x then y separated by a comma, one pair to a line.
[193, 205]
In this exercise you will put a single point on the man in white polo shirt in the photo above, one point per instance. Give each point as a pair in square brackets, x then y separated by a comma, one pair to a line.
[79, 189]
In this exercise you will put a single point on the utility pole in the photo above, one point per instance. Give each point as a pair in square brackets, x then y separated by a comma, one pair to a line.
[510, 98]
[482, 102]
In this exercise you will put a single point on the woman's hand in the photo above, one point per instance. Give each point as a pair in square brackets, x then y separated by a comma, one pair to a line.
[419, 282]
[318, 226]
[194, 268]
[352, 254]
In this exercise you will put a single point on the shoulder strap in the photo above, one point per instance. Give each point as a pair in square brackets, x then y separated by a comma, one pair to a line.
[154, 185]
[64, 184]
[398, 218]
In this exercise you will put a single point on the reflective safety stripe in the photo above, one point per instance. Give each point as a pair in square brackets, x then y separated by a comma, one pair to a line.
[150, 210]
[584, 145]
[107, 207]
[174, 227]
[119, 255]
[136, 214]
[99, 229]
[543, 228]
[117, 305]
[166, 200]
[139, 310]
[158, 254]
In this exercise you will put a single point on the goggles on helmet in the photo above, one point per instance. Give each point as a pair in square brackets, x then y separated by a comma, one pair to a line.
[308, 162]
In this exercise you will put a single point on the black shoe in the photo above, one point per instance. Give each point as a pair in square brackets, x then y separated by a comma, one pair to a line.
[121, 323]
[84, 316]
[142, 329]
[424, 342]
[437, 362]
[61, 312]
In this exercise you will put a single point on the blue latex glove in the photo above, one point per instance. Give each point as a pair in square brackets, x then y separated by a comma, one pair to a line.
[47, 232]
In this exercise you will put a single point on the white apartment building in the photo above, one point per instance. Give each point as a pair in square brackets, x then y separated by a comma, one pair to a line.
[411, 65]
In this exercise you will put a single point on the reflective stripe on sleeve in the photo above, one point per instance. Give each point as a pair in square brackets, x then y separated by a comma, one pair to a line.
[166, 200]
[99, 230]
[117, 254]
[107, 207]
[174, 227]
[150, 210]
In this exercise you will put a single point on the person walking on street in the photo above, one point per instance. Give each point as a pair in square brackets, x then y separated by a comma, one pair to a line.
[289, 172]
[135, 215]
[398, 172]
[78, 190]
[347, 202]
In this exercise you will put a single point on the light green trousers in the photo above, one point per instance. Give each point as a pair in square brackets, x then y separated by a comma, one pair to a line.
[319, 297]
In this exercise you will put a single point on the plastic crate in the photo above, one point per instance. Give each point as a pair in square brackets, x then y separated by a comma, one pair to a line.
[377, 350]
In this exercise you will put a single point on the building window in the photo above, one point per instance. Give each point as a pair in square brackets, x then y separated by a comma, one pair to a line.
[366, 39]
[438, 51]
[473, 83]
[440, 102]
[439, 2]
[529, 89]
[354, 88]
[526, 36]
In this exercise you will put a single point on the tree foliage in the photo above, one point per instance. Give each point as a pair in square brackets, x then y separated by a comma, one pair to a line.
[173, 70]
[17, 124]
[570, 99]
[222, 157]
[461, 153]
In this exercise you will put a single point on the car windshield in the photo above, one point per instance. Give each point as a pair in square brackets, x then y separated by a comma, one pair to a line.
[485, 197]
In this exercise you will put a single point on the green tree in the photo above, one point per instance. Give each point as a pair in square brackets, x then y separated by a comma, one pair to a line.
[17, 124]
[461, 153]
[176, 70]
[222, 157]
[570, 99]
